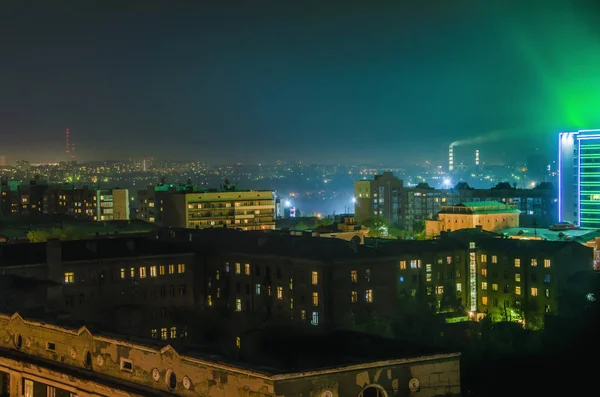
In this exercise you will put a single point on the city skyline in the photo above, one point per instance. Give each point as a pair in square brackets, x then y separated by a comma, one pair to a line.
[356, 84]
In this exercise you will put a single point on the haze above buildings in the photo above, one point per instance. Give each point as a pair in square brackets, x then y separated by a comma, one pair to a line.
[320, 83]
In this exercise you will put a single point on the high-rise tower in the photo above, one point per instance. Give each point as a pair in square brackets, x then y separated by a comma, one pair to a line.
[69, 145]
[579, 178]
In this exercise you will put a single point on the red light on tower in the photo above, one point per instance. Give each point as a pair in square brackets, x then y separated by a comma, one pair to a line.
[67, 146]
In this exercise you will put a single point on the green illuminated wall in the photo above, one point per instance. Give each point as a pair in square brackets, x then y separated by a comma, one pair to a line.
[589, 184]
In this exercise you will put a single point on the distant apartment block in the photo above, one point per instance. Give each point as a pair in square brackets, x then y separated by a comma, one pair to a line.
[38, 198]
[187, 206]
[409, 207]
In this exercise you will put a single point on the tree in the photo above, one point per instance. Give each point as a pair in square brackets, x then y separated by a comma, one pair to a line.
[378, 227]
[301, 226]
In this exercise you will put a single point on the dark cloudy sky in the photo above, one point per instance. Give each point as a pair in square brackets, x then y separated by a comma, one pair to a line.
[324, 81]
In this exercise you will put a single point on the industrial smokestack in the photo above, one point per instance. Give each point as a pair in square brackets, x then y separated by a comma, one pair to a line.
[451, 157]
[476, 156]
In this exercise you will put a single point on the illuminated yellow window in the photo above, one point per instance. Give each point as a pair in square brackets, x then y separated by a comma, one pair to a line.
[484, 272]
[402, 265]
[279, 292]
[217, 275]
[69, 278]
[209, 300]
[484, 300]
[247, 269]
[173, 333]
[533, 262]
[546, 262]
[162, 270]
[315, 298]
[132, 272]
[518, 277]
[517, 262]
[142, 271]
[238, 268]
[369, 295]
[354, 297]
[153, 271]
[494, 259]
[483, 258]
[518, 290]
[354, 276]
[122, 273]
[534, 292]
[238, 305]
[483, 285]
[439, 290]
[171, 269]
[494, 287]
[315, 278]
[181, 268]
[238, 342]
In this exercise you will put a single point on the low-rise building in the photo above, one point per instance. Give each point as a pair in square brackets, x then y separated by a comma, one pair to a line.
[489, 215]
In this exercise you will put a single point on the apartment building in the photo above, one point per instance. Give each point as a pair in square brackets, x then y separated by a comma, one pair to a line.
[187, 206]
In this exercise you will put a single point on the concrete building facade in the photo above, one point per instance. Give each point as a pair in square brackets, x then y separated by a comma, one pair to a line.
[491, 216]
[38, 358]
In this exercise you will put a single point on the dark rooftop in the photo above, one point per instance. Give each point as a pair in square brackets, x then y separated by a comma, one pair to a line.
[81, 250]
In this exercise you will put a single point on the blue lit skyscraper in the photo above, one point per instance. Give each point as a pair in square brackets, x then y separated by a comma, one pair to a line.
[579, 178]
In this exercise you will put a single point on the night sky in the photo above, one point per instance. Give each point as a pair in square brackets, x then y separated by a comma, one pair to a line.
[319, 81]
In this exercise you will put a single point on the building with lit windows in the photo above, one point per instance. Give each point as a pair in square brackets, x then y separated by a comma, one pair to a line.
[187, 206]
[579, 178]
[379, 197]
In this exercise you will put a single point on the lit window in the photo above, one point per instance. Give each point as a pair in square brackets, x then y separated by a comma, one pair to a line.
[315, 298]
[533, 262]
[154, 333]
[315, 278]
[354, 297]
[484, 300]
[448, 260]
[439, 290]
[142, 271]
[171, 269]
[291, 303]
[369, 295]
[303, 315]
[209, 300]
[163, 333]
[122, 273]
[484, 272]
[27, 388]
[69, 278]
[483, 285]
[494, 287]
[402, 265]
[547, 293]
[458, 287]
[238, 305]
[315, 318]
[153, 271]
[279, 292]
[518, 277]
[546, 262]
[291, 285]
[517, 262]
[472, 245]
[534, 292]
[218, 292]
[413, 263]
[257, 289]
[354, 276]
[518, 290]
[238, 342]
[132, 272]
[483, 258]
[247, 269]
[50, 391]
[226, 267]
[238, 268]
[173, 333]
[494, 259]
[161, 270]
[217, 275]
[428, 268]
[181, 268]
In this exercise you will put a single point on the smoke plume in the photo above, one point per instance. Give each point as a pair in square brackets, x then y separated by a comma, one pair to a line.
[492, 136]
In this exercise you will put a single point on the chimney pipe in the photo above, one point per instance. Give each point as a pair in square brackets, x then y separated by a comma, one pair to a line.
[451, 157]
